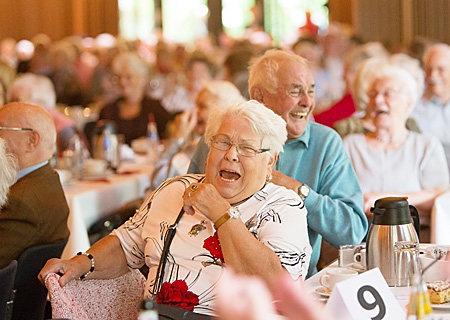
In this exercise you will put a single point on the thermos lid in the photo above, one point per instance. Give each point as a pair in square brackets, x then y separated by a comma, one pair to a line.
[391, 211]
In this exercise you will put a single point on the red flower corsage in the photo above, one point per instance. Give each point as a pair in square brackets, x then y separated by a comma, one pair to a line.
[212, 244]
[177, 294]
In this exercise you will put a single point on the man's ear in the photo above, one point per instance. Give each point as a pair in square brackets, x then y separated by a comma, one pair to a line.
[256, 94]
[33, 139]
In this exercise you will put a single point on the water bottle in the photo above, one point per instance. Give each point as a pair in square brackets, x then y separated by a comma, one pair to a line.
[152, 139]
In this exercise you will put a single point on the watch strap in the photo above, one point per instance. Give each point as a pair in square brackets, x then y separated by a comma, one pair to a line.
[221, 220]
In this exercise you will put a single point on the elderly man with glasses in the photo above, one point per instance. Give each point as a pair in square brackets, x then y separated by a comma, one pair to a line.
[36, 211]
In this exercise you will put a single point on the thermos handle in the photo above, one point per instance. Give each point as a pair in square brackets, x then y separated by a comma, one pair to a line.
[415, 218]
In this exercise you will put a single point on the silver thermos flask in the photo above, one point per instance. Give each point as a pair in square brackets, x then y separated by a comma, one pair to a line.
[395, 226]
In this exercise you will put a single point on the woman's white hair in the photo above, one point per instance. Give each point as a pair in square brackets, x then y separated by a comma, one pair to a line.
[8, 172]
[131, 61]
[263, 122]
[397, 67]
[35, 89]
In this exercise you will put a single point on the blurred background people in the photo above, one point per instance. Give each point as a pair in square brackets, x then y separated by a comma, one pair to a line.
[36, 212]
[8, 52]
[103, 89]
[199, 69]
[236, 65]
[346, 107]
[132, 110]
[68, 87]
[39, 90]
[391, 160]
[432, 113]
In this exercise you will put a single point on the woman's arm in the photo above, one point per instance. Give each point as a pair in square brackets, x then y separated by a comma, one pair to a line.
[247, 254]
[109, 262]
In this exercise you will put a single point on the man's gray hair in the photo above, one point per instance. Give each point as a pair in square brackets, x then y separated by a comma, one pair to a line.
[263, 71]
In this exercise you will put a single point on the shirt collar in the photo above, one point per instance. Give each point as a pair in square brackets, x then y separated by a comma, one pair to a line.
[30, 169]
[304, 138]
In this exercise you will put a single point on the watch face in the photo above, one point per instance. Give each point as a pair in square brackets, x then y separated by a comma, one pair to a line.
[305, 190]
[234, 212]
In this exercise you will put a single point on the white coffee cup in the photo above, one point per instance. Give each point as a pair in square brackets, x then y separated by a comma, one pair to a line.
[94, 166]
[360, 257]
[336, 275]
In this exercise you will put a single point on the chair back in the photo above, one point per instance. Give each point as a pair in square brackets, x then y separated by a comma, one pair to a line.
[7, 275]
[30, 295]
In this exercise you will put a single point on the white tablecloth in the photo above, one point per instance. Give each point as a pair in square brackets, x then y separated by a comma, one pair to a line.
[401, 293]
[440, 220]
[91, 200]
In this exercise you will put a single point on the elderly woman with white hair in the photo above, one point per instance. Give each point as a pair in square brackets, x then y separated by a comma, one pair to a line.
[231, 216]
[8, 172]
[391, 160]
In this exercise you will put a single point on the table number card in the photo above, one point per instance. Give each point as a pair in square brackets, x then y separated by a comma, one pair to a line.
[366, 296]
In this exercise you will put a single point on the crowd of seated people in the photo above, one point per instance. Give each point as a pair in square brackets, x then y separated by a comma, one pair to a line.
[127, 86]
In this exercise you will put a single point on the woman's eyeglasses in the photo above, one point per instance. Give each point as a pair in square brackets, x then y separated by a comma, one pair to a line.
[223, 142]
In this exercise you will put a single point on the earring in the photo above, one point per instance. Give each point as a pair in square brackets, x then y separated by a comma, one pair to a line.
[269, 178]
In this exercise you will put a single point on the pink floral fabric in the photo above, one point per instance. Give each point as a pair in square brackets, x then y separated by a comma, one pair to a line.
[113, 299]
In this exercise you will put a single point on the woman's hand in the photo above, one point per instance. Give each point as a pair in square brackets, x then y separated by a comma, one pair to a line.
[69, 269]
[110, 262]
[183, 125]
[204, 198]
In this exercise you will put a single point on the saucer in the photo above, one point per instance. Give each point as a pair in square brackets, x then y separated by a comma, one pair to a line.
[96, 175]
[324, 292]
[443, 306]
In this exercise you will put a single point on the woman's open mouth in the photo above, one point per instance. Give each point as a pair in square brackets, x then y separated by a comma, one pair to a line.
[229, 175]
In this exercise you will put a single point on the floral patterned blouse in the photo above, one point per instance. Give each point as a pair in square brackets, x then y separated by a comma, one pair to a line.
[275, 215]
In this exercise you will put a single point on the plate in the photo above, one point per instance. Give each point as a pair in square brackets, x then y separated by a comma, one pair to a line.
[442, 306]
[324, 292]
